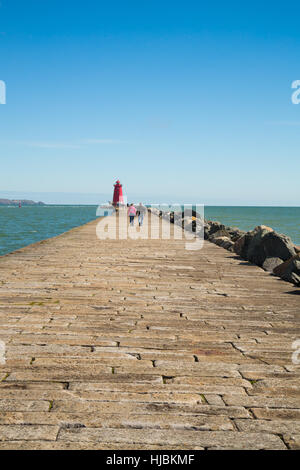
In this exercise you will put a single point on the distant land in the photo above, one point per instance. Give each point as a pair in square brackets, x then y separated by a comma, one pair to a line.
[16, 202]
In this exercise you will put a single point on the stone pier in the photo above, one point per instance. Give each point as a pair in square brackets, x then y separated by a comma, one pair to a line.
[141, 344]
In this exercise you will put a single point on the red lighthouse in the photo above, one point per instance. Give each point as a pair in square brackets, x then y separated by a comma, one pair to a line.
[118, 194]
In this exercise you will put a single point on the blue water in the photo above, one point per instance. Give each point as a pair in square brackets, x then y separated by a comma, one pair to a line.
[284, 220]
[22, 226]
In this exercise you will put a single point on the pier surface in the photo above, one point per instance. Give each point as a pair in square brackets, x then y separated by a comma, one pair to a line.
[141, 344]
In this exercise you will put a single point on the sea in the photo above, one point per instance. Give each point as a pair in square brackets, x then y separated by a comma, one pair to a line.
[29, 224]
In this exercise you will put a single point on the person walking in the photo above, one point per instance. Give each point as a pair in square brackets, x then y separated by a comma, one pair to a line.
[141, 211]
[131, 214]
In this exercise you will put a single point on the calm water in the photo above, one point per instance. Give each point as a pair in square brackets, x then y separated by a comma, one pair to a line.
[284, 220]
[20, 227]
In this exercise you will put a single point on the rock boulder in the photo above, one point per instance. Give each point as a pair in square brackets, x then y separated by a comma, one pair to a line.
[218, 234]
[255, 250]
[292, 273]
[235, 233]
[211, 228]
[241, 245]
[277, 245]
[223, 241]
[271, 263]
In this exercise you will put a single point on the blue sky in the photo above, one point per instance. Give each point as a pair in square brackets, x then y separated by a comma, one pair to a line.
[180, 100]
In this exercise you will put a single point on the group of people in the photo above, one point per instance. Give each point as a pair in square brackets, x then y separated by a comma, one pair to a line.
[139, 211]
